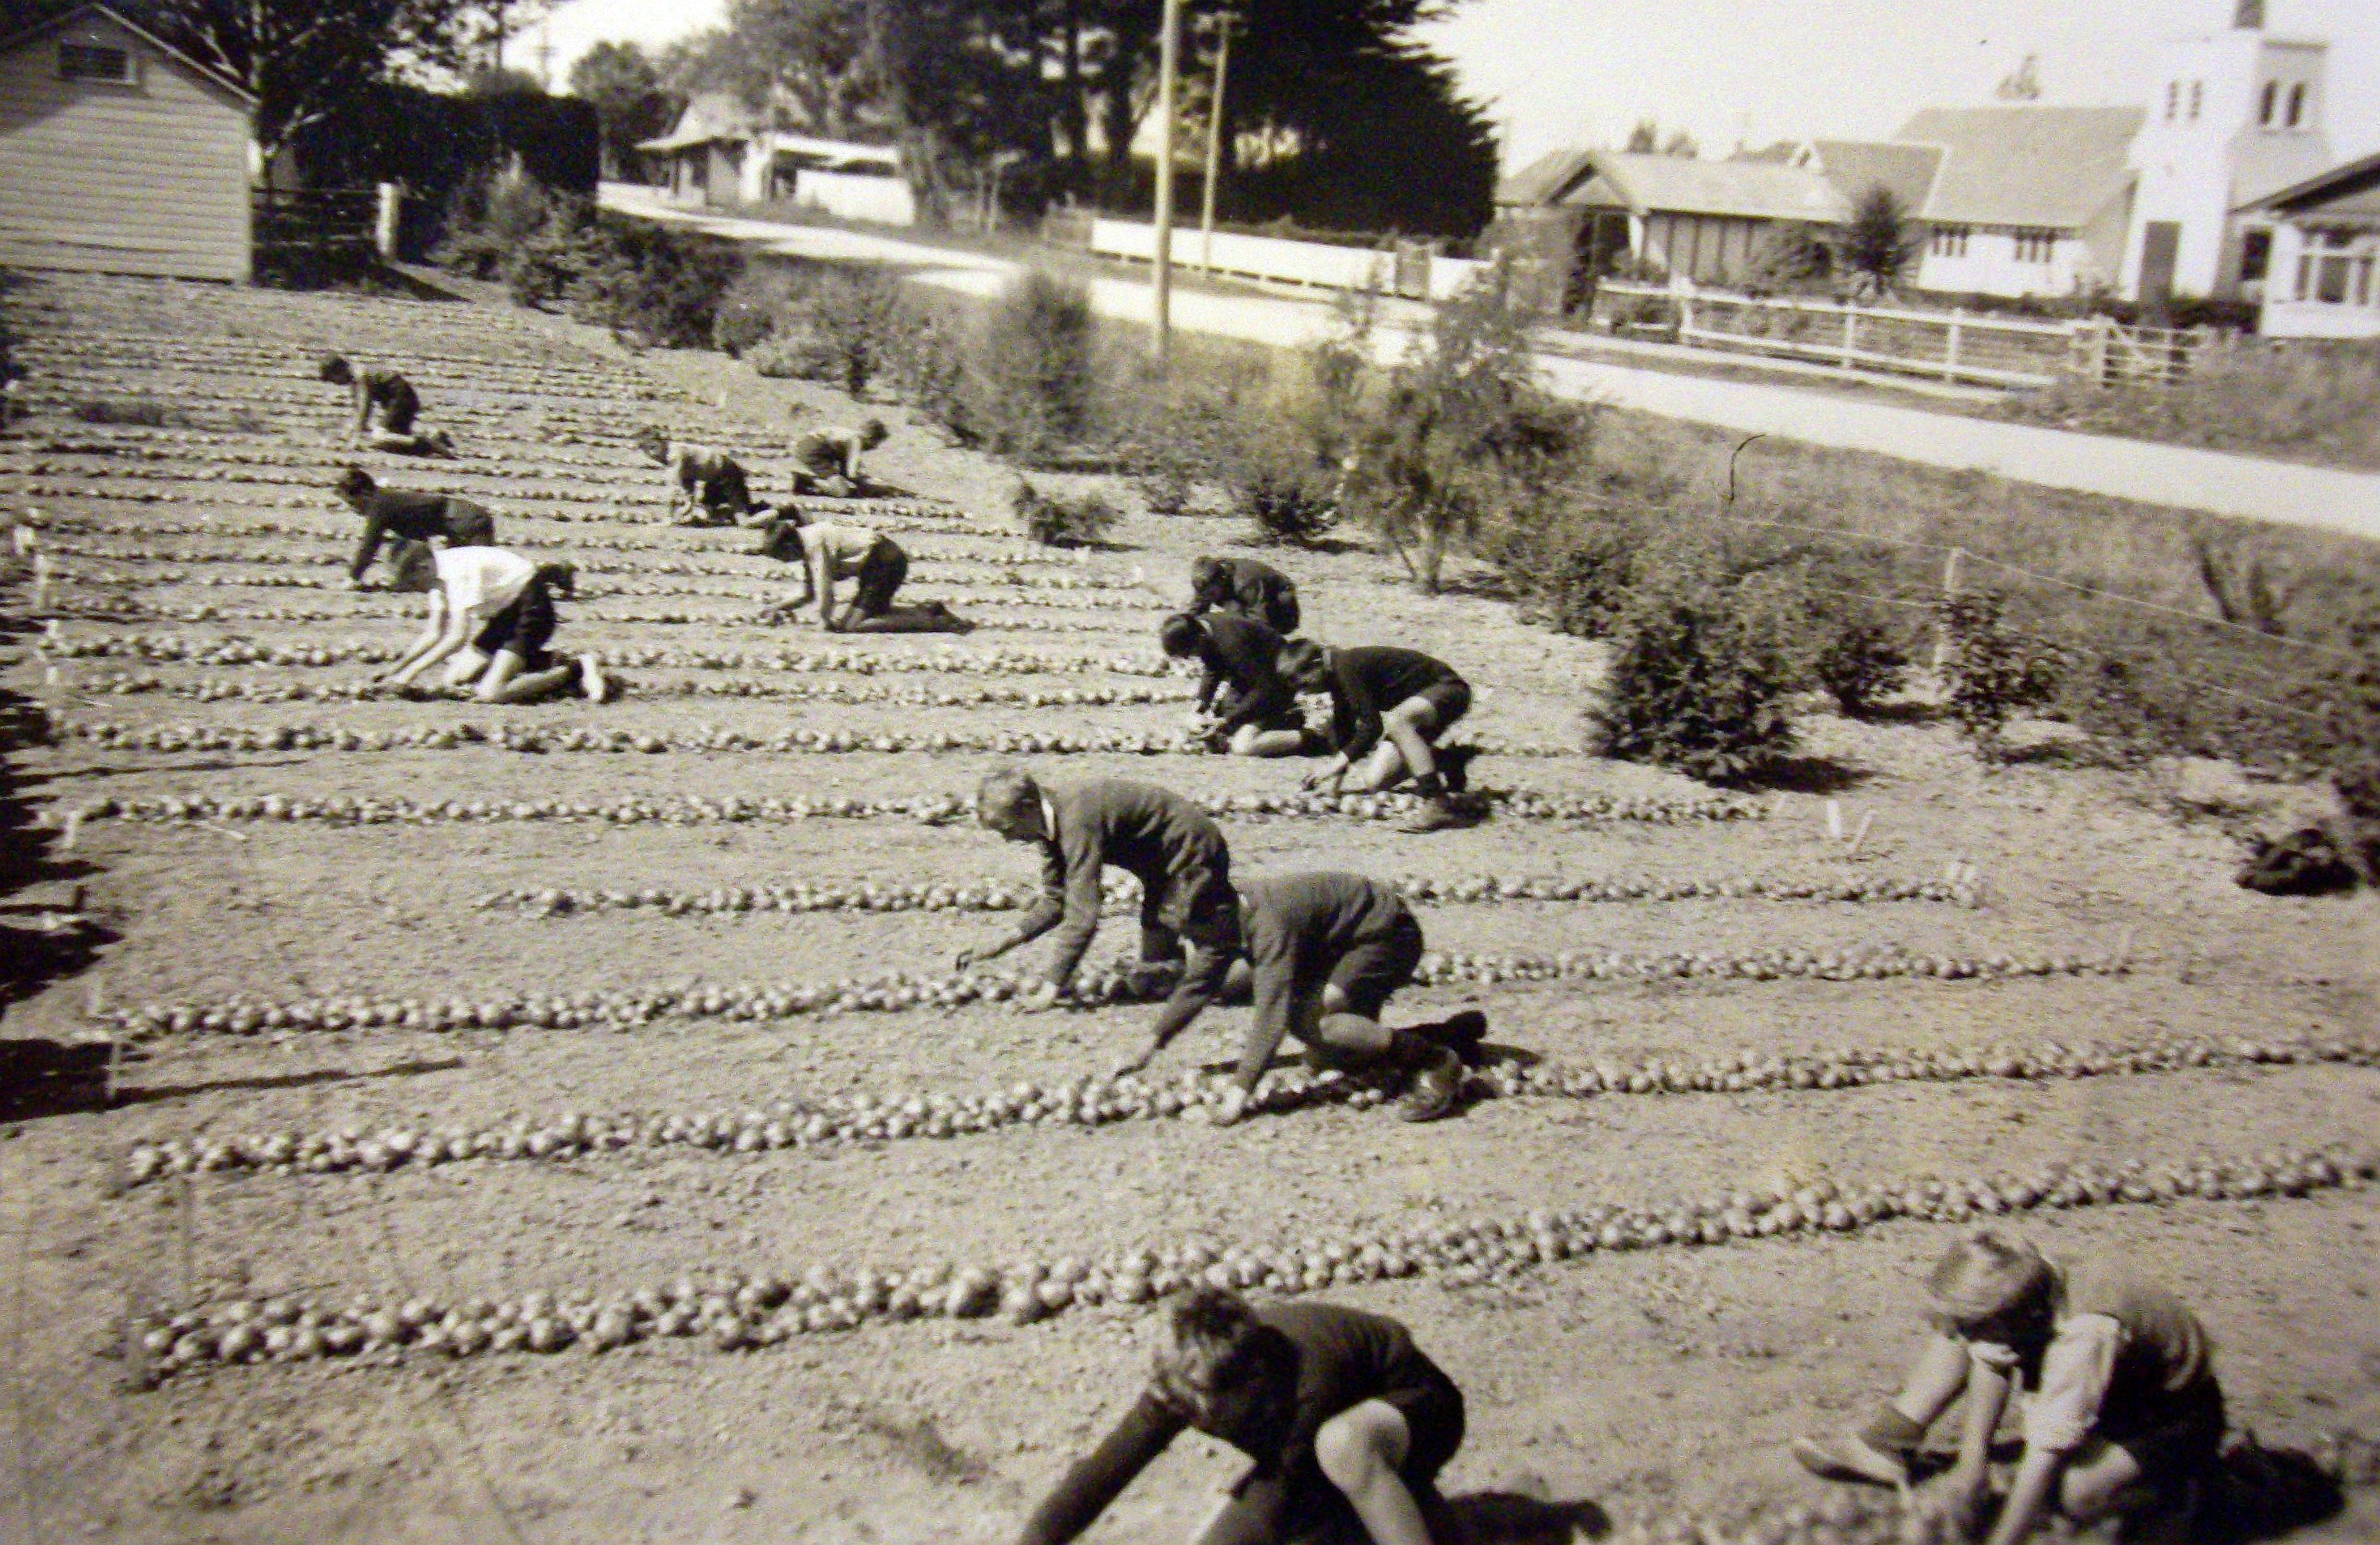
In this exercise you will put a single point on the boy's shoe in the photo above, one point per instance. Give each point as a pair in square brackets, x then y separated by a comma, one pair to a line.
[1435, 815]
[1462, 1033]
[1436, 1086]
[1454, 765]
[1847, 1456]
[590, 679]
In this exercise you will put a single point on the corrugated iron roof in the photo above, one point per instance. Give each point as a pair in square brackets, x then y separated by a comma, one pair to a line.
[708, 117]
[1546, 179]
[2054, 167]
[1743, 190]
[1856, 165]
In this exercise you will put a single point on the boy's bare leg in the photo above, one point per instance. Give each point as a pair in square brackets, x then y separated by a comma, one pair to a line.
[1880, 1451]
[505, 682]
[1250, 741]
[1360, 1450]
[464, 666]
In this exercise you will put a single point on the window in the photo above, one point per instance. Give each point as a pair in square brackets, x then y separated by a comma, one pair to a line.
[2256, 256]
[85, 61]
[2336, 269]
[1948, 241]
[2172, 100]
[2297, 104]
[2035, 245]
[2272, 103]
[2197, 98]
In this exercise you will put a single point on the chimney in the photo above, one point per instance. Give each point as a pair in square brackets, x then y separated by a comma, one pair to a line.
[2250, 17]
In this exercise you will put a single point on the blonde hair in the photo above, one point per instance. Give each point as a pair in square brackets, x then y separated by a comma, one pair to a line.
[1989, 1276]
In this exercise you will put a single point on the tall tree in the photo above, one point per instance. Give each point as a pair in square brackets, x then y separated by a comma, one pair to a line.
[623, 84]
[1879, 242]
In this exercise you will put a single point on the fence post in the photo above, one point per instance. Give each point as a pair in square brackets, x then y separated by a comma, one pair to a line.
[384, 221]
[2100, 329]
[1950, 568]
[1851, 337]
[1686, 318]
[1950, 352]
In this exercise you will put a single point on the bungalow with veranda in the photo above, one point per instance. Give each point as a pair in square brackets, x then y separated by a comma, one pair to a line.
[2323, 277]
[121, 154]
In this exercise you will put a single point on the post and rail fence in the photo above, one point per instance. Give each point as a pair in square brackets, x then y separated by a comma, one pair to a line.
[1956, 345]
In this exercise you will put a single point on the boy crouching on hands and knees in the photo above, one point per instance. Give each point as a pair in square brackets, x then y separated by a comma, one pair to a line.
[1347, 1421]
[2123, 1418]
[491, 616]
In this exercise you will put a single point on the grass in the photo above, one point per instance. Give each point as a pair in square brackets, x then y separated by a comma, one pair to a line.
[2301, 401]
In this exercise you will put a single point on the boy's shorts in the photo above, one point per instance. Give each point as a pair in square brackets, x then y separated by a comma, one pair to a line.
[2174, 1439]
[881, 574]
[1449, 700]
[1375, 965]
[1299, 1505]
[524, 627]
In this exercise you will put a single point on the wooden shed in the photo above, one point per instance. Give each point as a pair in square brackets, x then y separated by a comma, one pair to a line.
[119, 154]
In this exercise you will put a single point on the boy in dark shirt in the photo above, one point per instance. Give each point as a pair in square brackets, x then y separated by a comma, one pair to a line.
[1259, 715]
[1153, 833]
[395, 515]
[1390, 705]
[1248, 586]
[386, 405]
[2123, 1417]
[1348, 1422]
[1325, 954]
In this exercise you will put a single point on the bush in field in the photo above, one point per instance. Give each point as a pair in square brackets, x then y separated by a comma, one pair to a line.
[1577, 570]
[1693, 686]
[1461, 437]
[1289, 507]
[929, 372]
[1859, 661]
[750, 309]
[856, 317]
[1035, 369]
[650, 285]
[1060, 520]
[490, 218]
[1992, 672]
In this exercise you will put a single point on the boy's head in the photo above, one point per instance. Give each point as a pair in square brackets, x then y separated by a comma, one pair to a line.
[561, 577]
[781, 539]
[356, 485]
[653, 442]
[1990, 1287]
[1009, 802]
[336, 371]
[1179, 634]
[411, 568]
[1218, 1362]
[1306, 664]
[872, 434]
[1206, 578]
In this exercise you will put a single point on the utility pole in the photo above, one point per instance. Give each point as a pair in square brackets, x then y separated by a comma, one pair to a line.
[1168, 62]
[1214, 148]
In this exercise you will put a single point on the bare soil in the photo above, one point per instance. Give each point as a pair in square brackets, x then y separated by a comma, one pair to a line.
[1647, 1384]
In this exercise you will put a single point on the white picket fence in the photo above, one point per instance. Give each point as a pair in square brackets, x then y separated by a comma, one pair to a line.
[1953, 345]
[1409, 269]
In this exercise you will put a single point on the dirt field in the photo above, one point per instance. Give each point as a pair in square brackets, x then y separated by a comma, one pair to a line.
[2041, 912]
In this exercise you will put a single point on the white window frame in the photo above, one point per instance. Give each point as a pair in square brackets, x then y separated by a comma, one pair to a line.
[129, 77]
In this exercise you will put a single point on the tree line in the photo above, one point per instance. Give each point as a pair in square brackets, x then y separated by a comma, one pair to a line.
[1333, 118]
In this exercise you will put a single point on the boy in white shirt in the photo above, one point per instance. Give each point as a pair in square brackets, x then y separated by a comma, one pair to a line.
[491, 616]
[2123, 1418]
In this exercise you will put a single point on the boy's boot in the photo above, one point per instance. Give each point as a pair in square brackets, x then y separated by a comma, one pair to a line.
[1879, 1453]
[1437, 814]
[1436, 1085]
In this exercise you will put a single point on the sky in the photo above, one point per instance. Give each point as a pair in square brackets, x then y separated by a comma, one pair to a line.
[1562, 72]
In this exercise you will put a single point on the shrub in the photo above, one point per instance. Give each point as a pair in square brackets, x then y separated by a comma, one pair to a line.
[489, 218]
[1288, 508]
[750, 309]
[1693, 686]
[855, 316]
[651, 285]
[1858, 662]
[1463, 439]
[1035, 369]
[1059, 520]
[929, 367]
[1992, 672]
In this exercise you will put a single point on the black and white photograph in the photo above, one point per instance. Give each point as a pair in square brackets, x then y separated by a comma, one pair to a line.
[1225, 772]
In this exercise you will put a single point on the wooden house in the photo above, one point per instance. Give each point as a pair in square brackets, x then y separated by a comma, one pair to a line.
[120, 154]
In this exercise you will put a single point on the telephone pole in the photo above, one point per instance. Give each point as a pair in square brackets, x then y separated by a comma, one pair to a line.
[1214, 148]
[1168, 66]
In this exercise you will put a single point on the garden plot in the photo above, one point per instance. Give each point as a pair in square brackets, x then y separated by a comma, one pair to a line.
[571, 1116]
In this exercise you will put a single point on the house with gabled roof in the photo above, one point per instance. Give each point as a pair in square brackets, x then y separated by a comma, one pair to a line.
[722, 153]
[1692, 219]
[2323, 279]
[121, 154]
[2025, 200]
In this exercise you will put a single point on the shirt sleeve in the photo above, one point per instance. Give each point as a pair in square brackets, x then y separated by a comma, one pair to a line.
[1273, 964]
[1356, 718]
[2074, 1377]
[1211, 674]
[1097, 1480]
[1074, 876]
[367, 545]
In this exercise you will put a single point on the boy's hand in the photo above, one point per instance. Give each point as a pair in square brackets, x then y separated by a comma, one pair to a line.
[1324, 775]
[1041, 998]
[1234, 1109]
